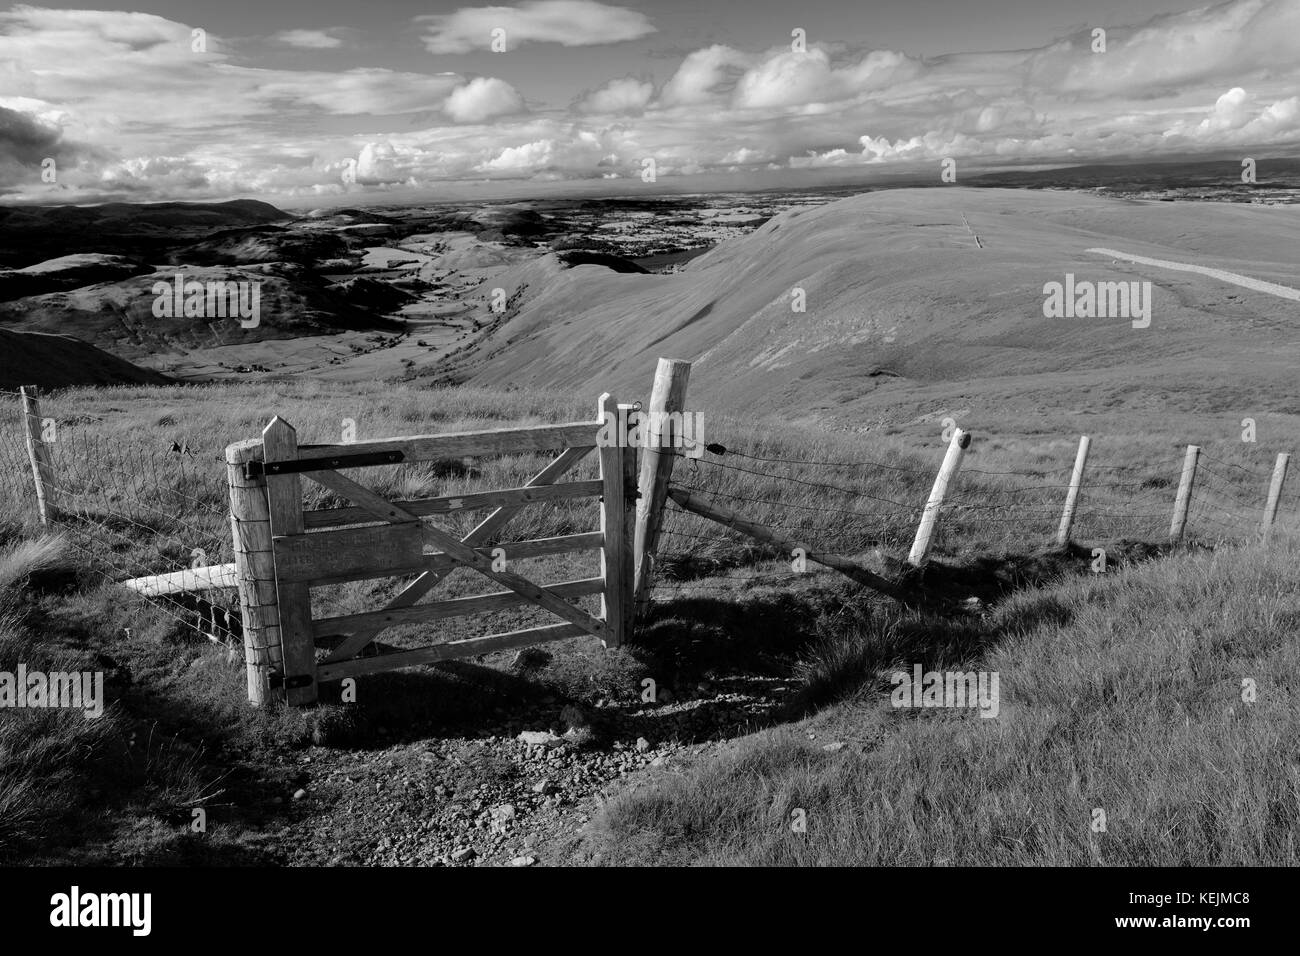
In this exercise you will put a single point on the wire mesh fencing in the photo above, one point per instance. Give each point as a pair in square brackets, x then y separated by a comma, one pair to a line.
[130, 505]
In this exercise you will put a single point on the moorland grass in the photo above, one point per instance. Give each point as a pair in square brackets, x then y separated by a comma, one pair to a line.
[1121, 694]
[1174, 773]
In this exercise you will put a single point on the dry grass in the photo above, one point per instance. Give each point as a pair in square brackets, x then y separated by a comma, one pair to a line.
[1121, 693]
[24, 558]
[938, 788]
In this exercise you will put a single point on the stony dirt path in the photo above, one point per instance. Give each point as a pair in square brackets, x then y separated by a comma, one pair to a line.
[505, 798]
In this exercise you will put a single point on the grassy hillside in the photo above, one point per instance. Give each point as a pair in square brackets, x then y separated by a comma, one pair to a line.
[908, 318]
[742, 641]
[1122, 693]
[60, 361]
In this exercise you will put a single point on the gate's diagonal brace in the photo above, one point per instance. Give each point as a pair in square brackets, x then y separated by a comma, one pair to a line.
[515, 582]
[460, 552]
[428, 580]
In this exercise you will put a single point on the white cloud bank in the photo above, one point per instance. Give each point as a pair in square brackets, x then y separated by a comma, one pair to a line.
[127, 107]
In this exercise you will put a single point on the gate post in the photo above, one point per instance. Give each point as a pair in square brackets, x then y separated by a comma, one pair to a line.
[284, 498]
[631, 463]
[250, 527]
[616, 552]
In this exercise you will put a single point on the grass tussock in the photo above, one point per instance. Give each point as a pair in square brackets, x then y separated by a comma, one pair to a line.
[21, 559]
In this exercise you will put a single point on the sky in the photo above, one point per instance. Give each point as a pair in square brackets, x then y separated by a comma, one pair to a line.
[331, 101]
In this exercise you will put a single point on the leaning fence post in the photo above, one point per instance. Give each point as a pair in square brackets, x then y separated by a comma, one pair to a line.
[1184, 498]
[39, 454]
[1072, 496]
[667, 397]
[947, 471]
[1274, 494]
[250, 526]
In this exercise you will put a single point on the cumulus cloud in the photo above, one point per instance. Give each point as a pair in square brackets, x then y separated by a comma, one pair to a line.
[553, 157]
[1236, 120]
[481, 99]
[626, 96]
[705, 76]
[567, 22]
[184, 174]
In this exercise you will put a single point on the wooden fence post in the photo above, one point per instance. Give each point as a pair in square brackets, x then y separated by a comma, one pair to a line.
[1274, 495]
[616, 553]
[284, 498]
[947, 471]
[1184, 499]
[667, 397]
[250, 527]
[39, 454]
[1072, 496]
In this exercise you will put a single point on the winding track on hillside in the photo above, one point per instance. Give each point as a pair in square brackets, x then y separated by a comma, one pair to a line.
[1258, 285]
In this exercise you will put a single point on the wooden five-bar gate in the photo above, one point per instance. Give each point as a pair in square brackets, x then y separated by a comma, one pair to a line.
[283, 551]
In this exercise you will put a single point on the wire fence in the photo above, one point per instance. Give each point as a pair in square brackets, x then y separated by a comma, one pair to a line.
[134, 505]
[851, 508]
[130, 506]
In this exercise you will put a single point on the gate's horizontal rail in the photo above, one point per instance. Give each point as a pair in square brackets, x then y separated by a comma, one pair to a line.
[336, 567]
[507, 497]
[456, 607]
[531, 548]
[348, 554]
[504, 441]
[449, 651]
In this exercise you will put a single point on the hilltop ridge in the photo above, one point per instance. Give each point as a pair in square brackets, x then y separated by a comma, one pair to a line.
[902, 302]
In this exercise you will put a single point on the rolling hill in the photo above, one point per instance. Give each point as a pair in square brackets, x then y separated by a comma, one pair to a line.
[59, 361]
[926, 299]
[119, 317]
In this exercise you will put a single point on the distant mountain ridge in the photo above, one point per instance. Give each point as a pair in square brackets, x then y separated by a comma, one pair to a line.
[32, 234]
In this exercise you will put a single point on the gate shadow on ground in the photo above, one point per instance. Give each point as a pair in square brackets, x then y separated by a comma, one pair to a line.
[751, 658]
